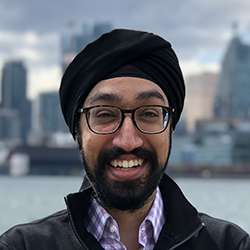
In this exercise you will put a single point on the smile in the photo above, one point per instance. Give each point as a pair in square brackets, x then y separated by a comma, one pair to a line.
[126, 163]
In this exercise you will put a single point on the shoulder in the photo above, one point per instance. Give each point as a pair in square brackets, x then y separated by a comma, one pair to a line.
[226, 235]
[35, 231]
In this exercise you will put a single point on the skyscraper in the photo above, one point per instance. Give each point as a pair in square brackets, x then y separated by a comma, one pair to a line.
[232, 98]
[14, 84]
[14, 94]
[73, 42]
[47, 115]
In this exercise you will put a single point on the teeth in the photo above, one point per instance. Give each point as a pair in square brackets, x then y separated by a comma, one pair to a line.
[131, 164]
[126, 164]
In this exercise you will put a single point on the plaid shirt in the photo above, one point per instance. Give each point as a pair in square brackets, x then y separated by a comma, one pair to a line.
[105, 229]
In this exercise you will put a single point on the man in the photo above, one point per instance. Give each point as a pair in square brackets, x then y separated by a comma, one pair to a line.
[122, 97]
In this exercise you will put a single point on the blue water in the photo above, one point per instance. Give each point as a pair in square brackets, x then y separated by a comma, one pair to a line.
[28, 198]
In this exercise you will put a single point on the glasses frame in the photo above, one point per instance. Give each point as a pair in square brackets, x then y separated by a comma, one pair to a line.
[123, 112]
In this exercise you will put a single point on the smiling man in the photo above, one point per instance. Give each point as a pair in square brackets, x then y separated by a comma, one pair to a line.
[122, 97]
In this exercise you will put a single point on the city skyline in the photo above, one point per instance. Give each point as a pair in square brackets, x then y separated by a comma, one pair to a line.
[31, 32]
[198, 131]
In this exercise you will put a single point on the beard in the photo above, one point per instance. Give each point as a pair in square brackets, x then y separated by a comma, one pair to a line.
[124, 195]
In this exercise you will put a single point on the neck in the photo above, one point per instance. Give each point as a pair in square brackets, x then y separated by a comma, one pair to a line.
[130, 221]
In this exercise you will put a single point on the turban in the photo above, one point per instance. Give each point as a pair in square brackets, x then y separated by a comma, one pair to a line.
[147, 52]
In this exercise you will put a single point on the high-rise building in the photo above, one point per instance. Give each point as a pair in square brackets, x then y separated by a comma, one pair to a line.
[14, 94]
[14, 84]
[232, 98]
[47, 114]
[200, 91]
[73, 42]
[9, 126]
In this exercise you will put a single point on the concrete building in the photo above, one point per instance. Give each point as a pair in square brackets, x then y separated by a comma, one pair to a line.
[214, 150]
[183, 152]
[14, 94]
[47, 115]
[200, 91]
[241, 144]
[210, 146]
[9, 126]
[43, 160]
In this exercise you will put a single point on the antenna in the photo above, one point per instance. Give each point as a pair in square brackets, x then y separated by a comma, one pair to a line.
[235, 28]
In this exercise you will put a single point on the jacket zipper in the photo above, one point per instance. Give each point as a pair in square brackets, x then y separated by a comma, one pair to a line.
[188, 237]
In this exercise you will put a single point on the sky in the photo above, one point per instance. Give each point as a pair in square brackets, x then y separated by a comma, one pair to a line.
[199, 31]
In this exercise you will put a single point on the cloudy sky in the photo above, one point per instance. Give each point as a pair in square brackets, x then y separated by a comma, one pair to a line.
[199, 30]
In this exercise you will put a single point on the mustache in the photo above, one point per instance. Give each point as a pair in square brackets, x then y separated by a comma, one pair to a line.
[107, 155]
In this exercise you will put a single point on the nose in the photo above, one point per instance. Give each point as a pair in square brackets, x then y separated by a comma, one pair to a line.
[127, 137]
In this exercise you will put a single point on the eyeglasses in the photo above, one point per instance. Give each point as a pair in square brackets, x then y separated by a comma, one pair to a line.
[105, 119]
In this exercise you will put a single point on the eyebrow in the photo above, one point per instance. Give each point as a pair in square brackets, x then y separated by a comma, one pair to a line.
[109, 97]
[104, 97]
[150, 94]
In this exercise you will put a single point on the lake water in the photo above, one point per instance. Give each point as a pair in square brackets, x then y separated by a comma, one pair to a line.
[28, 198]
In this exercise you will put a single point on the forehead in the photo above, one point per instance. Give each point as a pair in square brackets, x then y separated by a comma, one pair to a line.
[125, 90]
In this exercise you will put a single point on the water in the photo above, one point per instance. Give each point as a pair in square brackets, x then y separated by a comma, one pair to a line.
[28, 198]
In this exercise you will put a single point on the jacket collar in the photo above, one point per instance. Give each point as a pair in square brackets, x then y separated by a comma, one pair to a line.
[182, 219]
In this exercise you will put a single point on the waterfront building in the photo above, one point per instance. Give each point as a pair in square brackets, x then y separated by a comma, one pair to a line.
[213, 139]
[232, 97]
[44, 160]
[9, 126]
[14, 94]
[241, 144]
[200, 92]
[214, 151]
[210, 151]
[181, 128]
[183, 152]
[47, 115]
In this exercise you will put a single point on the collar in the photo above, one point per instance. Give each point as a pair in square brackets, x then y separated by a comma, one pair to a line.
[156, 215]
[182, 217]
[99, 219]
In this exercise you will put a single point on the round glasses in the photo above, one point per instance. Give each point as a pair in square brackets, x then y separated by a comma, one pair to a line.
[105, 119]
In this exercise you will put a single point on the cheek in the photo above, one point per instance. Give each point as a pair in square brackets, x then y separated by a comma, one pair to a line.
[161, 145]
[92, 145]
[90, 149]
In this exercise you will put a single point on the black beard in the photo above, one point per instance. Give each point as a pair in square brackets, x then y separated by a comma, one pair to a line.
[124, 195]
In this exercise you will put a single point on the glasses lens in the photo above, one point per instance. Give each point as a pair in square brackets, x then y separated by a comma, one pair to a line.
[151, 119]
[104, 119]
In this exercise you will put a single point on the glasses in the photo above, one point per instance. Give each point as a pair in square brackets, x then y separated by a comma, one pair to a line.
[105, 119]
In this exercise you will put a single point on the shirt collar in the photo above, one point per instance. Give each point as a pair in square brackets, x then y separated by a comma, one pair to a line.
[99, 217]
[156, 215]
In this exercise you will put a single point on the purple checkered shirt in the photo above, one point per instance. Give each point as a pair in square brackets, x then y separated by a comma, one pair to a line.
[105, 229]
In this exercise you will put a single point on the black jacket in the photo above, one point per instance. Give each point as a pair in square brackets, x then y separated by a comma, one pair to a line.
[185, 228]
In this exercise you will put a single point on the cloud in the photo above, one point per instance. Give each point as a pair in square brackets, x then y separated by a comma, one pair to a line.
[43, 79]
[191, 67]
[198, 30]
[40, 53]
[34, 49]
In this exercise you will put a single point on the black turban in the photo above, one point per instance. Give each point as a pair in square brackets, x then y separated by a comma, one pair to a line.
[146, 51]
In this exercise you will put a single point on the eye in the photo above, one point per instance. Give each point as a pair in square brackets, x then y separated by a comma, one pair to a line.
[149, 114]
[103, 115]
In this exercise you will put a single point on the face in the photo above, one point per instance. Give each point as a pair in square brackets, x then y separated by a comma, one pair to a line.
[124, 167]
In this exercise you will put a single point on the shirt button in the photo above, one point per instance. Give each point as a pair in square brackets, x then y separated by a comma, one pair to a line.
[112, 229]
